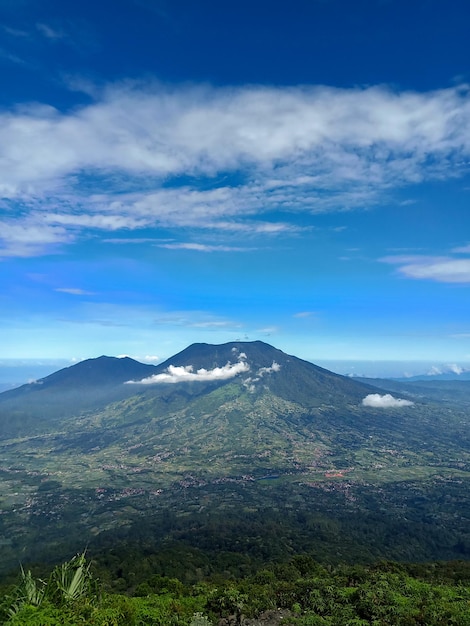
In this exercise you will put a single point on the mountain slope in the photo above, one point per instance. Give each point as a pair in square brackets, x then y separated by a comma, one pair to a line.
[228, 432]
[87, 385]
[102, 371]
[224, 410]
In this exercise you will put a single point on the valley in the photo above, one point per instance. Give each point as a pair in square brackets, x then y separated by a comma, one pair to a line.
[244, 470]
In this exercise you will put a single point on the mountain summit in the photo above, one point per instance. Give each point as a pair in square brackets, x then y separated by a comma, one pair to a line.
[259, 365]
[255, 367]
[84, 386]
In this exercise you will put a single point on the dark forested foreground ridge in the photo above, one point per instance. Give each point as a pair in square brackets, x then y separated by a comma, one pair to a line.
[300, 592]
[226, 458]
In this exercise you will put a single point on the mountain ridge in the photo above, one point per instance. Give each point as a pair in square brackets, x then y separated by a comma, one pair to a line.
[230, 431]
[94, 383]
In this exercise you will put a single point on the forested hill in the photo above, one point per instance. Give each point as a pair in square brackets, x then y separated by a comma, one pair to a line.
[300, 592]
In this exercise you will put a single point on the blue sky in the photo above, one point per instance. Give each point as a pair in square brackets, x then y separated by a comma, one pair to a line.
[175, 172]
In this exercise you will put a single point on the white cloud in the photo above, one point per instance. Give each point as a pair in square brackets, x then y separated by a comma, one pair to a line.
[249, 382]
[310, 149]
[149, 358]
[200, 247]
[142, 359]
[441, 269]
[134, 240]
[104, 222]
[177, 374]
[275, 367]
[386, 401]
[28, 237]
[454, 368]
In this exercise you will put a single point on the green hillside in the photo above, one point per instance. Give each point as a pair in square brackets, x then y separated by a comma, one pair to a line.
[240, 450]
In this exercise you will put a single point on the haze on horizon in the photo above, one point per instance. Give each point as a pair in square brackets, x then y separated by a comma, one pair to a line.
[176, 173]
[17, 372]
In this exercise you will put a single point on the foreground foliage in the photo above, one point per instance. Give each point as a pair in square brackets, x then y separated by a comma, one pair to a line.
[303, 591]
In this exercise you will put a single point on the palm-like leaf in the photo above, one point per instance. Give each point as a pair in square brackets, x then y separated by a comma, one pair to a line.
[29, 591]
[71, 580]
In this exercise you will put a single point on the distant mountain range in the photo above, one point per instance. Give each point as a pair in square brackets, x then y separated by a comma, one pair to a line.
[435, 376]
[215, 426]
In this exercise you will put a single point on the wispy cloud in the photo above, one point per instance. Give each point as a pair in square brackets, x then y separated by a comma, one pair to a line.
[116, 164]
[195, 319]
[462, 249]
[106, 323]
[386, 401]
[453, 368]
[200, 247]
[107, 222]
[49, 32]
[214, 324]
[267, 330]
[441, 269]
[275, 367]
[135, 240]
[74, 291]
[14, 32]
[6, 55]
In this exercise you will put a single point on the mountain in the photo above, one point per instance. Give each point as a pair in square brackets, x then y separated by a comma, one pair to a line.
[83, 386]
[435, 377]
[103, 371]
[93, 383]
[232, 445]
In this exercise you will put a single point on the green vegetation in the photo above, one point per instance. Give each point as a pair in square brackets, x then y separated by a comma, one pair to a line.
[300, 592]
[224, 477]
